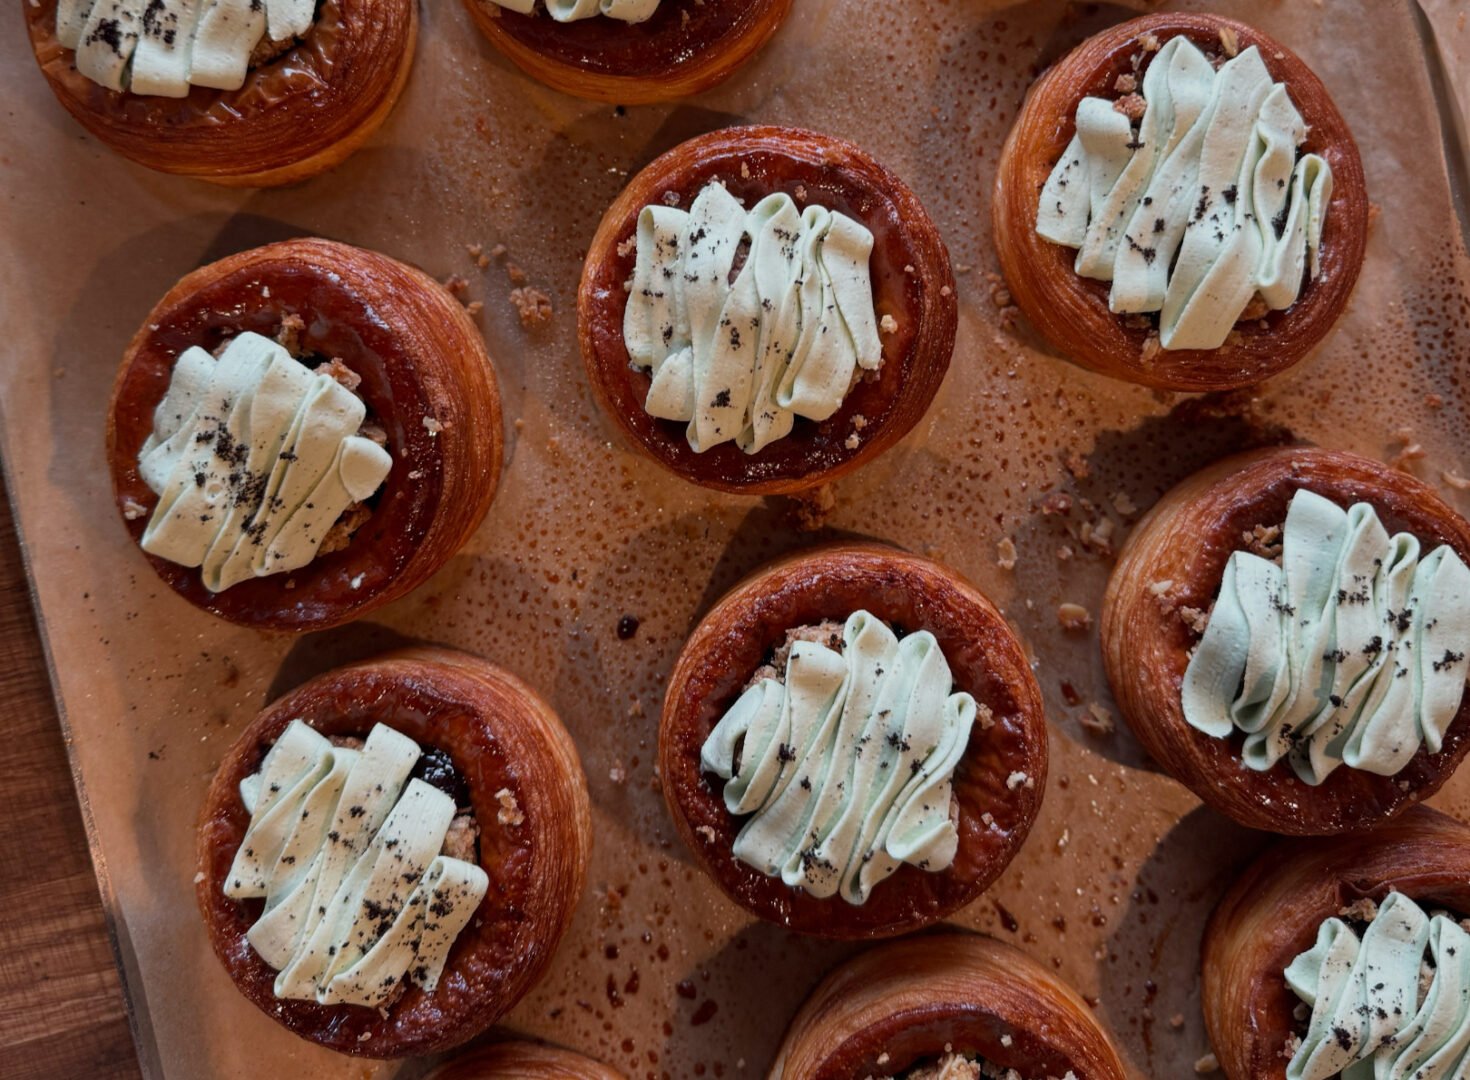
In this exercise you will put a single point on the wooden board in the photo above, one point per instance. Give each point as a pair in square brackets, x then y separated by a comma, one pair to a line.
[61, 1008]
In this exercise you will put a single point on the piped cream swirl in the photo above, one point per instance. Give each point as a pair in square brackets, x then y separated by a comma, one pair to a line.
[1352, 651]
[346, 856]
[164, 47]
[1391, 1005]
[253, 457]
[742, 357]
[1203, 207]
[844, 770]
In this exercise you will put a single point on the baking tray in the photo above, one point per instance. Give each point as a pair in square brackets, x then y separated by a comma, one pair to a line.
[660, 974]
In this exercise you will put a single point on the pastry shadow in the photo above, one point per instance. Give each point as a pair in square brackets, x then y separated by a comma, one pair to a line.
[314, 653]
[1150, 981]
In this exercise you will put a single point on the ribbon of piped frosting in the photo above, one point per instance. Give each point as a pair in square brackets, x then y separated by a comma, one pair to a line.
[845, 768]
[164, 47]
[1351, 651]
[1203, 207]
[630, 11]
[347, 858]
[254, 457]
[1391, 1005]
[740, 358]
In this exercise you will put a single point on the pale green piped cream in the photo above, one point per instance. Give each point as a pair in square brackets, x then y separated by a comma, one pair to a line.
[1391, 1005]
[742, 360]
[1351, 651]
[345, 851]
[254, 457]
[843, 770]
[1201, 208]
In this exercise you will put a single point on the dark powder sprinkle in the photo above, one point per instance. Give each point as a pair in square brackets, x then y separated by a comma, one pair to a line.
[721, 400]
[1230, 194]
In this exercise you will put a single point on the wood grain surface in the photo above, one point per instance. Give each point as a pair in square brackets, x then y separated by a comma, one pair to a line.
[61, 1007]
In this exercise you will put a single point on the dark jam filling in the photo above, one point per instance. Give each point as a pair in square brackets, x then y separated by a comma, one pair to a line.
[436, 769]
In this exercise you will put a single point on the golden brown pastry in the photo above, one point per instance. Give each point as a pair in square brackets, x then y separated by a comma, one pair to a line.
[681, 50]
[998, 774]
[911, 283]
[300, 111]
[1072, 312]
[490, 742]
[523, 1061]
[412, 356]
[1272, 913]
[911, 1004]
[1158, 606]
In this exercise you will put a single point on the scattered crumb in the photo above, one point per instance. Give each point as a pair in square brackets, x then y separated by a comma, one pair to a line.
[1149, 43]
[1151, 348]
[1131, 106]
[628, 246]
[1207, 1064]
[1195, 619]
[1065, 552]
[1263, 541]
[1292, 1044]
[1434, 401]
[456, 285]
[988, 819]
[1019, 780]
[1006, 554]
[1077, 465]
[532, 306]
[909, 269]
[1074, 617]
[198, 877]
[945, 291]
[801, 193]
[474, 307]
[1126, 84]
[288, 336]
[1229, 41]
[888, 324]
[432, 426]
[1363, 909]
[706, 831]
[1412, 450]
[516, 275]
[1057, 502]
[671, 198]
[336, 369]
[477, 255]
[132, 509]
[744, 170]
[510, 811]
[859, 421]
[1123, 504]
[617, 774]
[1098, 720]
[1176, 1021]
[498, 251]
[852, 441]
[1064, 839]
[984, 716]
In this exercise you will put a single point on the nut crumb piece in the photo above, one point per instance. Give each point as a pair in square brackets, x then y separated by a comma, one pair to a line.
[432, 426]
[1017, 780]
[617, 774]
[1149, 43]
[336, 369]
[988, 819]
[1229, 41]
[1098, 720]
[532, 305]
[474, 307]
[1151, 348]
[198, 877]
[1290, 1047]
[498, 251]
[1176, 1021]
[288, 336]
[671, 198]
[1434, 401]
[1123, 504]
[1195, 619]
[984, 716]
[1126, 83]
[1074, 617]
[1131, 105]
[628, 246]
[706, 831]
[516, 275]
[132, 509]
[510, 811]
[852, 442]
[456, 285]
[1207, 1064]
[888, 324]
[1006, 554]
[800, 193]
[1363, 909]
[859, 422]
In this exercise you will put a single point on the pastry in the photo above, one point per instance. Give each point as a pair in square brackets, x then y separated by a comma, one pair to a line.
[390, 854]
[248, 93]
[1286, 631]
[853, 744]
[523, 1061]
[1345, 956]
[359, 450]
[629, 51]
[717, 368]
[945, 1007]
[1181, 205]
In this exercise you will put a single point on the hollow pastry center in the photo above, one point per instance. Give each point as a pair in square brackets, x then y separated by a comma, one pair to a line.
[841, 757]
[1347, 648]
[747, 320]
[163, 47]
[1387, 999]
[255, 457]
[629, 11]
[352, 856]
[953, 1066]
[1206, 209]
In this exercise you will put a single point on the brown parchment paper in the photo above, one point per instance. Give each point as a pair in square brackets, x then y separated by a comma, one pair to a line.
[661, 976]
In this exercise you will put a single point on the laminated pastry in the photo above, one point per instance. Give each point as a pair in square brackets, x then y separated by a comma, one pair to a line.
[247, 94]
[1345, 956]
[945, 1007]
[523, 1061]
[1181, 205]
[390, 854]
[852, 743]
[302, 433]
[1286, 633]
[765, 309]
[629, 52]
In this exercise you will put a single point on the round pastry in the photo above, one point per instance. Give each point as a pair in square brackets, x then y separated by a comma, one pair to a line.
[961, 1002]
[1211, 190]
[1286, 984]
[303, 432]
[390, 854]
[1285, 632]
[853, 743]
[247, 93]
[764, 309]
[523, 1061]
[629, 52]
